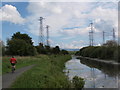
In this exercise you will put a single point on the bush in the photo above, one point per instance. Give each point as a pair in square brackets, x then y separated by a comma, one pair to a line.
[56, 50]
[64, 52]
[78, 82]
[41, 49]
[20, 44]
[103, 52]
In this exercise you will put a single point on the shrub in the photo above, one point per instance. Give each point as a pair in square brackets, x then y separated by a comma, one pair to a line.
[56, 50]
[64, 52]
[109, 52]
[78, 82]
[20, 44]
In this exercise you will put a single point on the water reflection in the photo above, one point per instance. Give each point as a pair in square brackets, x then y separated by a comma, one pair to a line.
[96, 75]
[109, 69]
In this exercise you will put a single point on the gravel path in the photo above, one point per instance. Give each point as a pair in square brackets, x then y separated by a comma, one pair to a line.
[9, 78]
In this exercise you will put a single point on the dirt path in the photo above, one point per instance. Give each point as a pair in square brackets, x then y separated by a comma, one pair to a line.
[9, 78]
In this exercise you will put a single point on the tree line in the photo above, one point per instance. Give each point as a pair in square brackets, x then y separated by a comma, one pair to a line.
[108, 51]
[22, 45]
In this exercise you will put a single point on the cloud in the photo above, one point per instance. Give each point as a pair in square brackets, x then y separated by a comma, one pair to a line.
[61, 15]
[67, 0]
[76, 31]
[57, 16]
[10, 13]
[79, 31]
[73, 45]
[68, 46]
[65, 15]
[57, 10]
[109, 15]
[106, 20]
[53, 17]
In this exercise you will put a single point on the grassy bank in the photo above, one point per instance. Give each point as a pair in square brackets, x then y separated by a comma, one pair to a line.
[48, 72]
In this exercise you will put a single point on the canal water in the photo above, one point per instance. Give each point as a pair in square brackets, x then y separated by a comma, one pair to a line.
[96, 74]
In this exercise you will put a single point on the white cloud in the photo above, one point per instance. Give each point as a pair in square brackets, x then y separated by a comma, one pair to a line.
[60, 15]
[73, 45]
[51, 41]
[68, 46]
[76, 31]
[79, 31]
[105, 14]
[9, 13]
[57, 10]
[67, 0]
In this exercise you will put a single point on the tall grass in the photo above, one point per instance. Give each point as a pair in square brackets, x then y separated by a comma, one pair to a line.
[48, 73]
[21, 62]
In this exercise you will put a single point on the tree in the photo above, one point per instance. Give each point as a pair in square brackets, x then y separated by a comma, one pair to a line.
[31, 50]
[20, 44]
[110, 43]
[56, 50]
[16, 47]
[24, 37]
[48, 49]
[41, 49]
[64, 52]
[2, 48]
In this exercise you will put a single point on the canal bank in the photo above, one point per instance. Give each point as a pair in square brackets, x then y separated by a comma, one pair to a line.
[100, 60]
[94, 76]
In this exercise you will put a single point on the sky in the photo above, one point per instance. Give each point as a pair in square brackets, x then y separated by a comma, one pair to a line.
[69, 21]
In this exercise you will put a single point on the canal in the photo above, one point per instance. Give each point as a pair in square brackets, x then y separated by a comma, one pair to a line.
[96, 74]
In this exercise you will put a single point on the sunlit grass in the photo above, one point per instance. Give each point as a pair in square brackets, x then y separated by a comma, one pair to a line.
[47, 73]
[21, 62]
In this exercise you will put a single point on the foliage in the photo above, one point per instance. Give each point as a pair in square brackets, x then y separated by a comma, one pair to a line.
[48, 49]
[108, 51]
[24, 37]
[41, 49]
[72, 52]
[56, 50]
[64, 52]
[78, 82]
[2, 48]
[47, 73]
[20, 44]
[110, 43]
[118, 56]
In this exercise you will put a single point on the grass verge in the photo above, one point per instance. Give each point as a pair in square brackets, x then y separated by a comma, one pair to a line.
[48, 73]
[21, 62]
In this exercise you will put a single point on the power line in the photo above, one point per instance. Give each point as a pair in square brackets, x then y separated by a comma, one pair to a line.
[113, 34]
[91, 38]
[41, 36]
[103, 37]
[47, 31]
